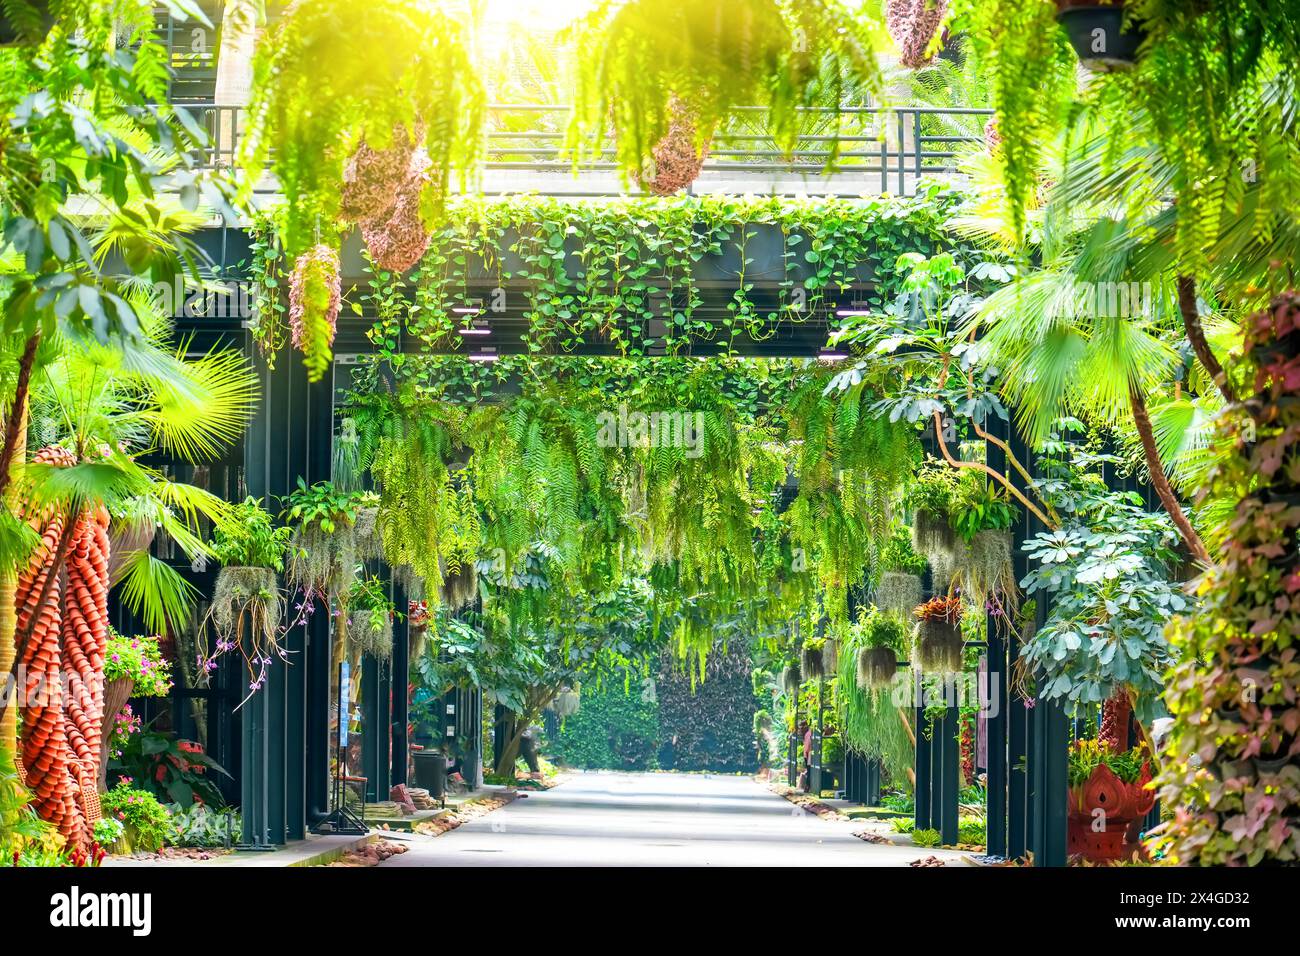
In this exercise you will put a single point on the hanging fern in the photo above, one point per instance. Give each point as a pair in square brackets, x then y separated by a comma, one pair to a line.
[326, 78]
[638, 57]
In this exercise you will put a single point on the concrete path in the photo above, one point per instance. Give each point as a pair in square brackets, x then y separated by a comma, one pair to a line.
[628, 819]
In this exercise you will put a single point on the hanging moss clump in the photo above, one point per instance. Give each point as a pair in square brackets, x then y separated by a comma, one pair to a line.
[933, 536]
[814, 668]
[791, 677]
[877, 667]
[898, 592]
[986, 571]
[246, 609]
[370, 632]
[938, 647]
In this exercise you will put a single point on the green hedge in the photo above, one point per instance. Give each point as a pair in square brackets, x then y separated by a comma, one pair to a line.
[675, 727]
[709, 726]
[612, 730]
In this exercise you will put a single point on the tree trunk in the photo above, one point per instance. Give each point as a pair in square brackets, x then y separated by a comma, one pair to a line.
[1196, 336]
[510, 753]
[1166, 493]
[15, 452]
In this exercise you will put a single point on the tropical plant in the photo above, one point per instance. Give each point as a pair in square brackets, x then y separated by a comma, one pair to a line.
[370, 619]
[138, 660]
[246, 600]
[353, 59]
[202, 826]
[171, 769]
[1107, 571]
[147, 822]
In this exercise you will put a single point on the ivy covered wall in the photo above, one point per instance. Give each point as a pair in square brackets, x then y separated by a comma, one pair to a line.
[665, 723]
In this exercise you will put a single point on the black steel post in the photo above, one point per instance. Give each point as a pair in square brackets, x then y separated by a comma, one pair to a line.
[401, 750]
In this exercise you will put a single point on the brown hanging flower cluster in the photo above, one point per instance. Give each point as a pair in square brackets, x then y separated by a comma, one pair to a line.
[314, 291]
[913, 24]
[677, 161]
[373, 179]
[398, 239]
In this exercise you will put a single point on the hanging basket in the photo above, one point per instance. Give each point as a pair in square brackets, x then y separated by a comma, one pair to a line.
[938, 647]
[250, 597]
[831, 656]
[116, 693]
[791, 678]
[877, 667]
[371, 634]
[898, 592]
[322, 561]
[677, 161]
[567, 703]
[399, 238]
[814, 667]
[1099, 37]
[933, 536]
[373, 178]
[367, 537]
[985, 569]
[460, 585]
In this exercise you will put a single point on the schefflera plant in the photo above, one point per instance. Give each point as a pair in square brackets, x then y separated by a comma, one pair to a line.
[1232, 769]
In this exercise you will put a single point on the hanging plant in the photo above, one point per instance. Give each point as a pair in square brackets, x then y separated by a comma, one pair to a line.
[938, 647]
[1099, 34]
[898, 593]
[314, 293]
[814, 667]
[881, 637]
[877, 667]
[791, 678]
[370, 620]
[933, 536]
[567, 703]
[374, 178]
[326, 80]
[728, 53]
[323, 549]
[246, 601]
[398, 240]
[914, 25]
[938, 636]
[677, 159]
[830, 655]
[985, 571]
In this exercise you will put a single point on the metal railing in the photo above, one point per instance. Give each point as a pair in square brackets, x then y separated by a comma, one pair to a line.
[855, 149]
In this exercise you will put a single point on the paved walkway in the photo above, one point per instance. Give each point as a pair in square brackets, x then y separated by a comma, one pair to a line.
[627, 819]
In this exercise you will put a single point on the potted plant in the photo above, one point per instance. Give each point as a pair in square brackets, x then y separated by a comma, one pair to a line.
[133, 667]
[899, 589]
[246, 600]
[1099, 34]
[1108, 791]
[146, 824]
[370, 619]
[813, 665]
[981, 516]
[323, 547]
[931, 498]
[882, 637]
[938, 635]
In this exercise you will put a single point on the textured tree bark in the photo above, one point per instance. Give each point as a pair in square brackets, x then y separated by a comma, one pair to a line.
[1196, 336]
[1163, 489]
